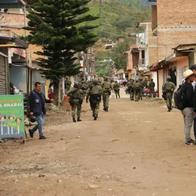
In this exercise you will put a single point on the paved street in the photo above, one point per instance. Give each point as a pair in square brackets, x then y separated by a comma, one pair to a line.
[134, 150]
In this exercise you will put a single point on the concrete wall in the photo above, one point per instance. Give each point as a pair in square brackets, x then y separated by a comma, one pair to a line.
[182, 63]
[176, 25]
[15, 22]
[18, 76]
[4, 83]
[160, 82]
[176, 12]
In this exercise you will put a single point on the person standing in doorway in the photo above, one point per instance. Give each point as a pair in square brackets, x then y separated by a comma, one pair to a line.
[37, 109]
[151, 87]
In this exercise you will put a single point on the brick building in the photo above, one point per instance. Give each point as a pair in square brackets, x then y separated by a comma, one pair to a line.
[173, 25]
[11, 47]
[23, 70]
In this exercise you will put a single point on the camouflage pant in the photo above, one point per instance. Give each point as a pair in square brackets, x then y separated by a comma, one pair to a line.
[95, 108]
[131, 92]
[106, 98]
[169, 100]
[137, 94]
[76, 110]
[141, 93]
[117, 93]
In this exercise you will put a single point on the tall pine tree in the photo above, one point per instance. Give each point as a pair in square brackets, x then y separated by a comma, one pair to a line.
[63, 28]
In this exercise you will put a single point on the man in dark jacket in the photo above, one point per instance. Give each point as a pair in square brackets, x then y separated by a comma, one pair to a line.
[193, 68]
[188, 103]
[37, 109]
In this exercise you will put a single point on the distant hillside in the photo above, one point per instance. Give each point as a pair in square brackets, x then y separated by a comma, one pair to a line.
[119, 17]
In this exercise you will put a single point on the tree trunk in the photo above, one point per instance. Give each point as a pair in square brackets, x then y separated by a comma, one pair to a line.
[59, 94]
[56, 91]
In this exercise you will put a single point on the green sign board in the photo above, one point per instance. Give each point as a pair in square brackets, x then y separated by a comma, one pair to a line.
[11, 116]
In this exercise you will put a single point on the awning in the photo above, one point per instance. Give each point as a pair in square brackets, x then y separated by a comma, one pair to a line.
[185, 48]
[166, 62]
[12, 42]
[2, 54]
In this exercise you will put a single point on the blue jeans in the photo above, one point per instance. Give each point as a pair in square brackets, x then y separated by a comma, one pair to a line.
[40, 124]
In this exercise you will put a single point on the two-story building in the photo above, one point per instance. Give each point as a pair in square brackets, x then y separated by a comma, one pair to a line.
[9, 43]
[23, 69]
[174, 30]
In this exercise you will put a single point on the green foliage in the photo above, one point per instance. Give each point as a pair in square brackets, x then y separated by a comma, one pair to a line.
[62, 28]
[117, 17]
[118, 55]
[103, 70]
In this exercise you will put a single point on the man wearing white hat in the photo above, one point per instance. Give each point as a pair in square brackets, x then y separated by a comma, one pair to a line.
[188, 103]
[193, 68]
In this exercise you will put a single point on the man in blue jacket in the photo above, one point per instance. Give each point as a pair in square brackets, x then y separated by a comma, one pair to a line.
[37, 109]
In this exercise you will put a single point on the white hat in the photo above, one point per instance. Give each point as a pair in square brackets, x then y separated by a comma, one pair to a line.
[187, 73]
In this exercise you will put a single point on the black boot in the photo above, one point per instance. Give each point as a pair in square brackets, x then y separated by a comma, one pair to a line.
[78, 119]
[31, 133]
[74, 120]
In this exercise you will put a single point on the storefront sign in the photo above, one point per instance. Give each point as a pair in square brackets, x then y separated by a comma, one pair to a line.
[11, 116]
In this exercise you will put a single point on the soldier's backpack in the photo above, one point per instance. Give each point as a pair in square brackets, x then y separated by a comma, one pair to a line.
[179, 97]
[169, 86]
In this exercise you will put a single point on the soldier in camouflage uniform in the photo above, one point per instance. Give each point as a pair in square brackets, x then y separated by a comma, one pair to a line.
[116, 88]
[137, 87]
[168, 90]
[141, 88]
[94, 96]
[107, 87]
[76, 98]
[67, 84]
[84, 86]
[130, 89]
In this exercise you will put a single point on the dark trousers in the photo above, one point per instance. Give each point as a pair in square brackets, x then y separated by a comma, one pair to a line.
[194, 127]
[117, 93]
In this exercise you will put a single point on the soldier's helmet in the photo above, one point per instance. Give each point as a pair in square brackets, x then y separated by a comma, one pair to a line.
[76, 85]
[105, 79]
[95, 82]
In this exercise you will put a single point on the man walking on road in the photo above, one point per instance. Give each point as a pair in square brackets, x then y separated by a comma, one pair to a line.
[168, 90]
[37, 109]
[94, 96]
[137, 87]
[130, 89]
[193, 68]
[76, 95]
[188, 103]
[116, 88]
[107, 87]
